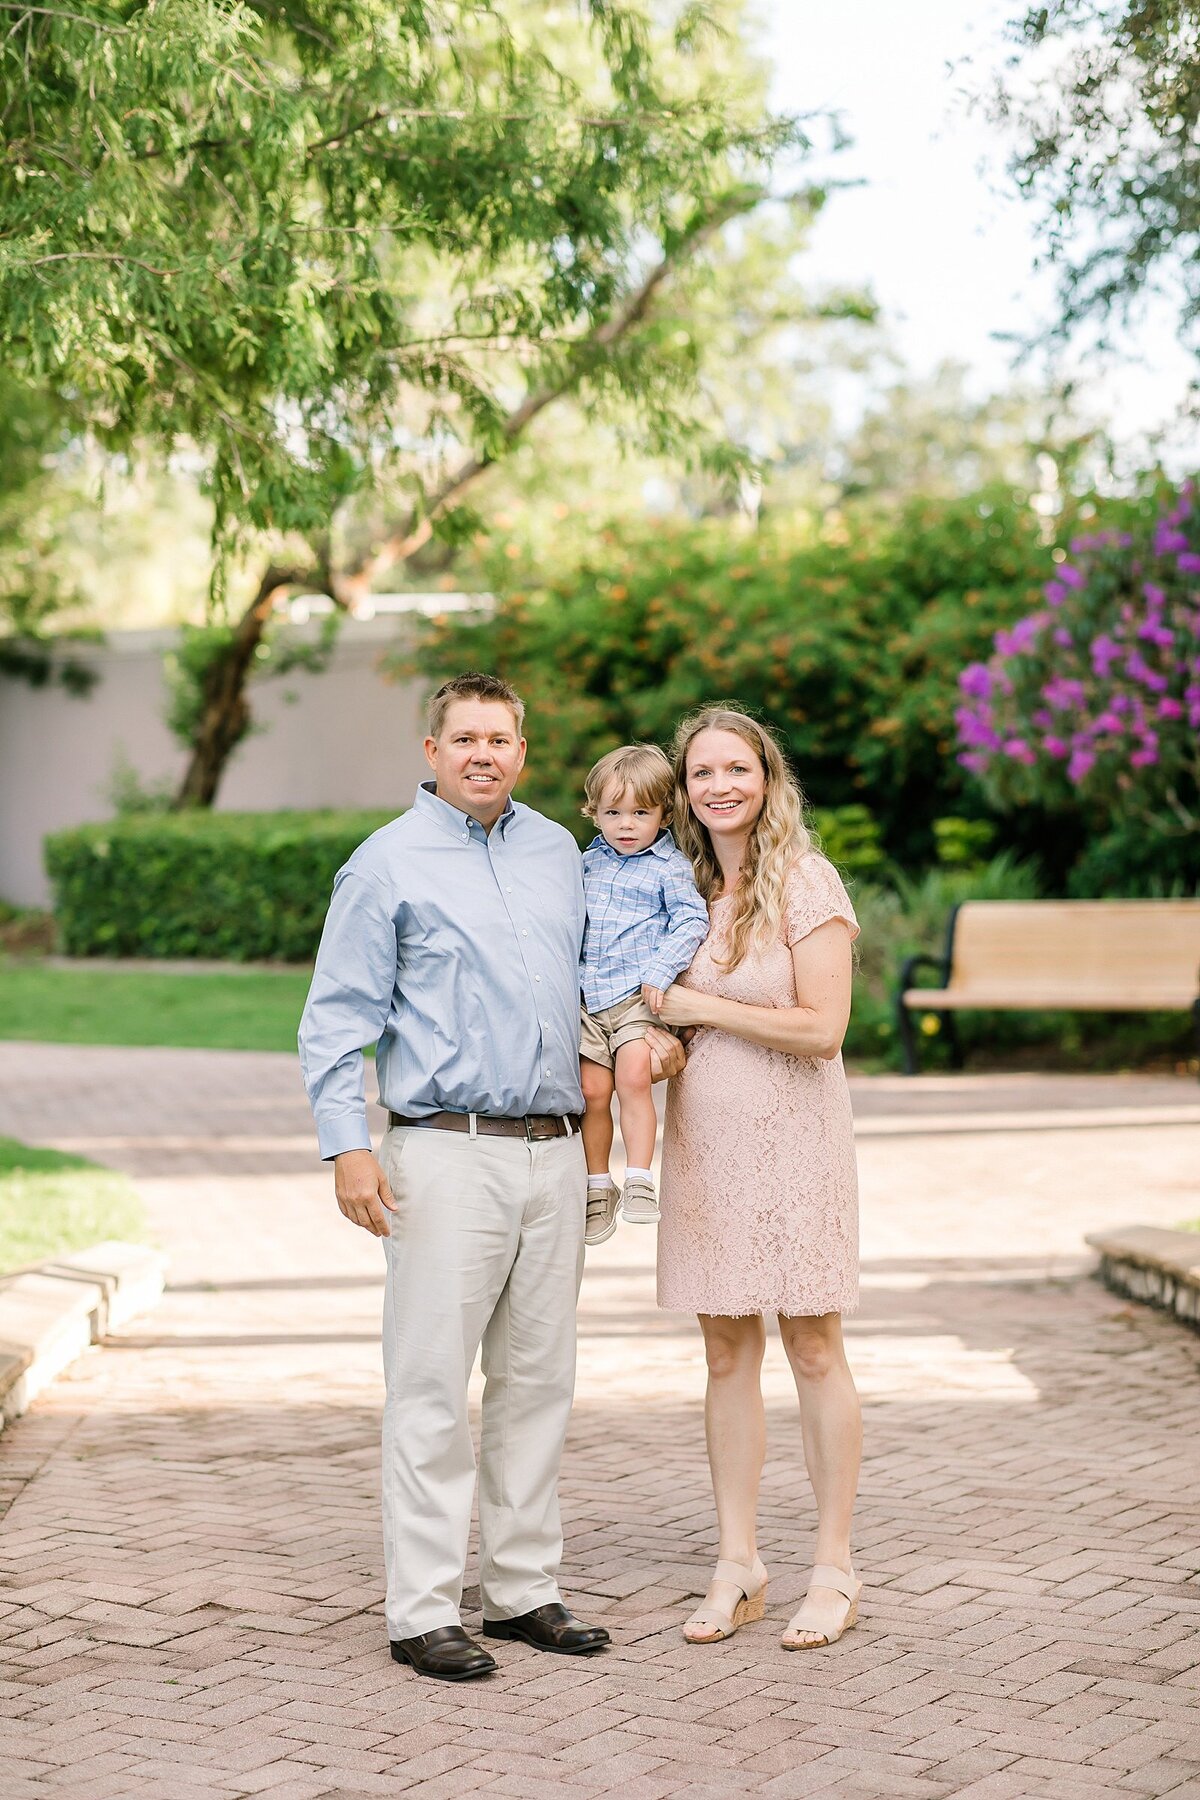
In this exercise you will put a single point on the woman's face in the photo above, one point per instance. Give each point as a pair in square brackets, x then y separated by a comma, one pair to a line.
[726, 784]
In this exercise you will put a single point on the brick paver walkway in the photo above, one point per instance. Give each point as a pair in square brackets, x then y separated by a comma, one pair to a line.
[191, 1556]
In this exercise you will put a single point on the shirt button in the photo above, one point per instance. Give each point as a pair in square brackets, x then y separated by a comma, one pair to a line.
[537, 978]
[524, 934]
[508, 890]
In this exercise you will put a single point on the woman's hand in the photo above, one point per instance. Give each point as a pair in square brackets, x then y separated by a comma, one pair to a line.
[682, 1006]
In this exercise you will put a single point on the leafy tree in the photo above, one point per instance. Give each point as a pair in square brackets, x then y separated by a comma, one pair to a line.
[1105, 98]
[761, 338]
[352, 247]
[35, 583]
[931, 436]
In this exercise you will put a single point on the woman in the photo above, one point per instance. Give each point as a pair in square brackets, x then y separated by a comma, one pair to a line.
[759, 1189]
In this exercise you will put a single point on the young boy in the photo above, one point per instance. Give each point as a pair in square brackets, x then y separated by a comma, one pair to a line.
[645, 922]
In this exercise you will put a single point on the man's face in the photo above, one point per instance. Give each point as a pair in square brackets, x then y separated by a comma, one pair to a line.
[476, 758]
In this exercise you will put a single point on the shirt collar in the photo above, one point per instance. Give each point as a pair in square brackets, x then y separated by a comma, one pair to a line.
[663, 845]
[448, 818]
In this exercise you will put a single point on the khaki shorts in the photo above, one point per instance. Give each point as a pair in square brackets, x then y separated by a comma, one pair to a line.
[602, 1034]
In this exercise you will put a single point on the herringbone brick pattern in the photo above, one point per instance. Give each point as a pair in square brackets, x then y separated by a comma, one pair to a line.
[191, 1555]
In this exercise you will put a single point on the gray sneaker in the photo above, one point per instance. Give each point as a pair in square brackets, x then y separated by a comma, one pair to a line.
[602, 1203]
[639, 1202]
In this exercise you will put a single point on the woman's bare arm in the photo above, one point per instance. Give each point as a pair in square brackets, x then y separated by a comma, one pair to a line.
[815, 1026]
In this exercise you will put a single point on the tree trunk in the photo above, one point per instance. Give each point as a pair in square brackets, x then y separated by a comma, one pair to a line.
[226, 716]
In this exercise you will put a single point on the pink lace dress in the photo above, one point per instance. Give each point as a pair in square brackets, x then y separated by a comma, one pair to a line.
[759, 1184]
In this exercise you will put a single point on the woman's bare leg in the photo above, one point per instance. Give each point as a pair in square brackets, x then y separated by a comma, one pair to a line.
[735, 1431]
[831, 1424]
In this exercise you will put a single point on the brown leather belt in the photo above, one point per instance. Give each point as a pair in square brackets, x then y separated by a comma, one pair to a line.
[534, 1127]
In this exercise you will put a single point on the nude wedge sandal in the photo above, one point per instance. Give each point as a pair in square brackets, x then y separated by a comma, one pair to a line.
[708, 1625]
[826, 1576]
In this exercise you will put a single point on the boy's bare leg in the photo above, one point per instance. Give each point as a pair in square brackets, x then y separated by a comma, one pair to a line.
[597, 1084]
[639, 1121]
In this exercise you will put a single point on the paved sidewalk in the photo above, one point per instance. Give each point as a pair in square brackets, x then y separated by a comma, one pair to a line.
[191, 1559]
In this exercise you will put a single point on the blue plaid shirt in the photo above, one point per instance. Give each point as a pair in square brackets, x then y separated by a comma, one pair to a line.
[645, 920]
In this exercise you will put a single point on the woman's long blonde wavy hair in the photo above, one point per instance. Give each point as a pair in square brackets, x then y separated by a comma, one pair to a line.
[778, 838]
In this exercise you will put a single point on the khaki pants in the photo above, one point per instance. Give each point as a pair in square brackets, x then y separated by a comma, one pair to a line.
[486, 1247]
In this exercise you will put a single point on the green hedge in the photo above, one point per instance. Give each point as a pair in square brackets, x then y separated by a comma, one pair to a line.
[249, 887]
[238, 886]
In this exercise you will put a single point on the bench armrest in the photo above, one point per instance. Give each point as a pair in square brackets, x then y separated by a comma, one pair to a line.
[922, 960]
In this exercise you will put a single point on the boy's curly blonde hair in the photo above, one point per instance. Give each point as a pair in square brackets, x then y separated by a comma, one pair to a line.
[640, 767]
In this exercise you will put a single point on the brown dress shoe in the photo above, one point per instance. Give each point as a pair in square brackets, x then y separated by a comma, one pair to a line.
[446, 1654]
[550, 1627]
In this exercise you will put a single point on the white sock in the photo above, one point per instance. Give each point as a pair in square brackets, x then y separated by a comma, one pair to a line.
[639, 1175]
[599, 1181]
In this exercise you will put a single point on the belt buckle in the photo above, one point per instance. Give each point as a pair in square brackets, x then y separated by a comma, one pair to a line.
[526, 1122]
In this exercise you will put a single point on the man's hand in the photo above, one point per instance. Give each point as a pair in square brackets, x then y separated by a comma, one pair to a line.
[667, 1054]
[653, 997]
[362, 1190]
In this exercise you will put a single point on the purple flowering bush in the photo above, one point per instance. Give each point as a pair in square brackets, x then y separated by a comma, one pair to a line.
[1094, 698]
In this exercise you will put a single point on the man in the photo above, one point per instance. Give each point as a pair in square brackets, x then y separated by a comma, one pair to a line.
[453, 941]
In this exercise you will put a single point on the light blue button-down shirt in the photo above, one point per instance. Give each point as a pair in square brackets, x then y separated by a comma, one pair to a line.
[457, 951]
[645, 919]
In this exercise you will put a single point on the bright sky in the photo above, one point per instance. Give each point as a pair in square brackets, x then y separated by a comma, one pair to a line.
[937, 230]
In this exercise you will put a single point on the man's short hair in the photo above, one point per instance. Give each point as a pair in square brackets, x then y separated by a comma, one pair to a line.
[474, 685]
[642, 768]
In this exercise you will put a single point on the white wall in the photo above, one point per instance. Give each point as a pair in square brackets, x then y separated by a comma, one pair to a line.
[350, 738]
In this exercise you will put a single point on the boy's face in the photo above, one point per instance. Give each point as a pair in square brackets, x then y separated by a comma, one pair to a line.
[625, 823]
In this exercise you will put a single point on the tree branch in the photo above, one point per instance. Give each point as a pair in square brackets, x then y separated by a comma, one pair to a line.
[106, 256]
[417, 527]
[54, 12]
[459, 115]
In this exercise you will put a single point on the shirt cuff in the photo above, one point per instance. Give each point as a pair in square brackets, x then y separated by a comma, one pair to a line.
[662, 974]
[347, 1132]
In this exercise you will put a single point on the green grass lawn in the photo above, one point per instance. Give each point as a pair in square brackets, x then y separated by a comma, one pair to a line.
[250, 1009]
[51, 1203]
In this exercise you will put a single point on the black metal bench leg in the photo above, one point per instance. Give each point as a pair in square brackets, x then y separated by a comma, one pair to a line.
[1196, 1023]
[950, 1027]
[908, 1042]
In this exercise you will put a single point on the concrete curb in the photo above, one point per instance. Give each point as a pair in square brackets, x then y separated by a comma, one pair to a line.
[49, 1315]
[1161, 1268]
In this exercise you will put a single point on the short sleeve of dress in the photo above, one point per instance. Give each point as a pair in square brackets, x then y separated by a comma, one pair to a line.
[815, 895]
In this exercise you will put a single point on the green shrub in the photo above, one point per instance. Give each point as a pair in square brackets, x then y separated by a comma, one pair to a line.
[850, 838]
[238, 886]
[963, 843]
[1137, 859]
[849, 644]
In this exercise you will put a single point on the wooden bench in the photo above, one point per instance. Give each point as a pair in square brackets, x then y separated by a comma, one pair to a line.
[1051, 955]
